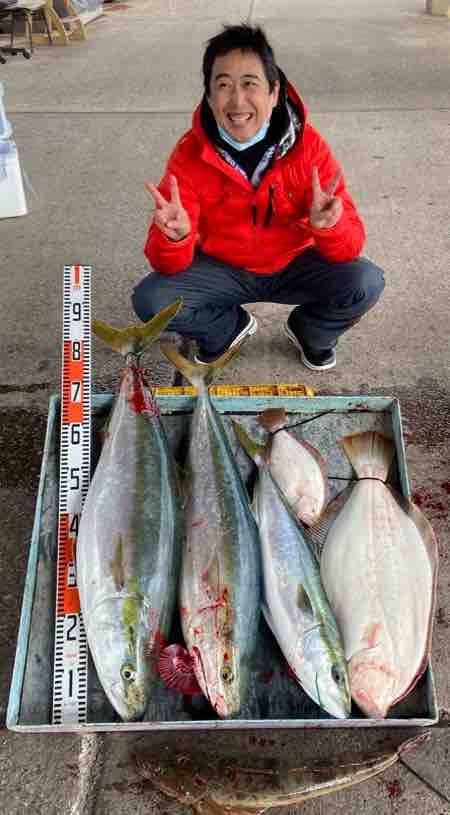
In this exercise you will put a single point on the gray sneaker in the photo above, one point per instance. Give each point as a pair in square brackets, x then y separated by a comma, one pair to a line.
[314, 359]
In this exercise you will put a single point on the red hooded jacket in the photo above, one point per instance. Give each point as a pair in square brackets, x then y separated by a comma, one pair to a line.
[228, 215]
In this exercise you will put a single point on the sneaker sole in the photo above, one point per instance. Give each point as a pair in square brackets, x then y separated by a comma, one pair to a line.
[250, 329]
[306, 362]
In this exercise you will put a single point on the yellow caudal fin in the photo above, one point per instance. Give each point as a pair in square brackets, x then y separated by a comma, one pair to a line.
[197, 372]
[136, 338]
[254, 450]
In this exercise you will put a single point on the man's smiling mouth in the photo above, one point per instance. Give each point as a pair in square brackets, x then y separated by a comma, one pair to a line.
[239, 118]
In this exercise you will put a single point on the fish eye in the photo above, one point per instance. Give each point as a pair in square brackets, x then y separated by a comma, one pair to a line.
[226, 673]
[336, 675]
[127, 672]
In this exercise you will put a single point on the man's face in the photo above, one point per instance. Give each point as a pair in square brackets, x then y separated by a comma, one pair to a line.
[239, 94]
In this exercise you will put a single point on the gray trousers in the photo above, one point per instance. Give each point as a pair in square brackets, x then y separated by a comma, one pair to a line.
[329, 297]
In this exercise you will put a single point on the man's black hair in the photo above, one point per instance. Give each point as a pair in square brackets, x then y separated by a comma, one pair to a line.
[242, 38]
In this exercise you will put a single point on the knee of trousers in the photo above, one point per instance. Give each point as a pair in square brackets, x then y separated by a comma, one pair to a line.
[364, 284]
[151, 295]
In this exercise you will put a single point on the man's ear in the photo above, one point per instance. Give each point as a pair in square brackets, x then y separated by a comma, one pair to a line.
[276, 92]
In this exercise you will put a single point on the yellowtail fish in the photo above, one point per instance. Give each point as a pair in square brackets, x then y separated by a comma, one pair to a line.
[294, 601]
[220, 591]
[215, 785]
[298, 468]
[379, 569]
[129, 541]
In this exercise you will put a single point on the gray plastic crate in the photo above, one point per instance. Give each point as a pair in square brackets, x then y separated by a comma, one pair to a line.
[275, 700]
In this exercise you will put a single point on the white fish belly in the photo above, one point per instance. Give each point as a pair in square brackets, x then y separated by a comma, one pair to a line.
[284, 571]
[378, 578]
[109, 520]
[299, 476]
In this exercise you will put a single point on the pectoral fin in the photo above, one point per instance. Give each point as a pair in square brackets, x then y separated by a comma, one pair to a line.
[254, 451]
[317, 534]
[304, 603]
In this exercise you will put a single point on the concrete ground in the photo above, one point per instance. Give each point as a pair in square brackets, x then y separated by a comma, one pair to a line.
[93, 121]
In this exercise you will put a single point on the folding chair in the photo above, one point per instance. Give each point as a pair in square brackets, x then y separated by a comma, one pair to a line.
[26, 9]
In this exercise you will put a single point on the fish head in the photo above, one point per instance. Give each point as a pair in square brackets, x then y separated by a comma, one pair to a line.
[183, 777]
[216, 666]
[328, 682]
[117, 641]
[320, 660]
[372, 683]
[333, 687]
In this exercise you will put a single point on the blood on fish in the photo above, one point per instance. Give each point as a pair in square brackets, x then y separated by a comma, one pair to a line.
[103, 436]
[138, 395]
[446, 487]
[266, 676]
[153, 649]
[378, 666]
[220, 603]
[153, 617]
[287, 671]
[371, 635]
[200, 522]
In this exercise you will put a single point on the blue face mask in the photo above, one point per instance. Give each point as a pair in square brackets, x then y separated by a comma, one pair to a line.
[242, 145]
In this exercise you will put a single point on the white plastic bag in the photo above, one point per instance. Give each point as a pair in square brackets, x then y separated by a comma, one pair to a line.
[12, 193]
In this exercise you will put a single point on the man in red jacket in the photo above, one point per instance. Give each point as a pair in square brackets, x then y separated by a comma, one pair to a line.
[253, 207]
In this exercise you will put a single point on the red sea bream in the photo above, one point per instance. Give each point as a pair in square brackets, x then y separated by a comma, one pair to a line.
[297, 467]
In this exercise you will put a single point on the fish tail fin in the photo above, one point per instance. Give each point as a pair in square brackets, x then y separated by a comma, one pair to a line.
[273, 419]
[254, 450]
[134, 339]
[412, 745]
[370, 453]
[197, 372]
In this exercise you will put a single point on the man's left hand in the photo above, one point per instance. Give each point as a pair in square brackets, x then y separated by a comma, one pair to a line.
[326, 207]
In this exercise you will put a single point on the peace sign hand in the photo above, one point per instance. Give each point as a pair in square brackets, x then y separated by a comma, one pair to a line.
[170, 216]
[326, 207]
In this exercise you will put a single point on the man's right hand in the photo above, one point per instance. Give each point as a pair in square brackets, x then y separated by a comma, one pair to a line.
[170, 216]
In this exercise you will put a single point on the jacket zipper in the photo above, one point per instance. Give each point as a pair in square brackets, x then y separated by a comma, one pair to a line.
[270, 208]
[270, 211]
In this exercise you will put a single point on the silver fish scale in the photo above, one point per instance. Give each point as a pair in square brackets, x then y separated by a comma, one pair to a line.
[128, 545]
[222, 548]
[307, 635]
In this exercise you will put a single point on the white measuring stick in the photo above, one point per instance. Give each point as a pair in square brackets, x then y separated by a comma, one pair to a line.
[71, 653]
